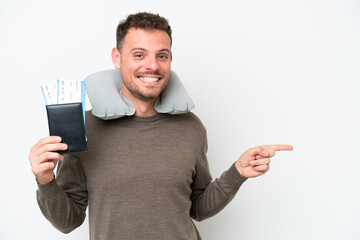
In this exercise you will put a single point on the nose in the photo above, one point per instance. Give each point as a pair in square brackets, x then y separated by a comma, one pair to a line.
[152, 64]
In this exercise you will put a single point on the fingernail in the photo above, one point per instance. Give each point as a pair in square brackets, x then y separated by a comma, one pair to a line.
[58, 139]
[265, 152]
[64, 146]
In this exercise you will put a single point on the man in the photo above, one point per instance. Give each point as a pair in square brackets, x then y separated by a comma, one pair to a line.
[144, 176]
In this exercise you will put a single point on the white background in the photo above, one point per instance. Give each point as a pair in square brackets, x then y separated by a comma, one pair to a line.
[259, 72]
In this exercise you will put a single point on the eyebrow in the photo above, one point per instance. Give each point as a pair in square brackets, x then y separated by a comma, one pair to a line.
[138, 49]
[164, 50]
[143, 49]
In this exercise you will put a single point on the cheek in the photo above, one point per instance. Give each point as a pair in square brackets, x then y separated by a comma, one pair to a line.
[129, 67]
[166, 67]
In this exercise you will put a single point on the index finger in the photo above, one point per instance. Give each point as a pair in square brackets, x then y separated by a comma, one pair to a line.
[281, 147]
[47, 140]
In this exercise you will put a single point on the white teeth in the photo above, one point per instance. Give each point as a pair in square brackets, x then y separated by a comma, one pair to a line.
[149, 79]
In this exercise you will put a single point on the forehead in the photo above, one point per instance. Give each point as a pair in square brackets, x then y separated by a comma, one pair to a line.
[148, 39]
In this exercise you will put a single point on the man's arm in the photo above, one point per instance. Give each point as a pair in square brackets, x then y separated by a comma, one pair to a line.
[63, 200]
[209, 198]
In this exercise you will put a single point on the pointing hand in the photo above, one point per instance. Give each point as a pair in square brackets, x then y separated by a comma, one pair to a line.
[255, 161]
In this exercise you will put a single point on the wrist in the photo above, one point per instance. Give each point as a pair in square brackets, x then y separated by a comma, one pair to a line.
[45, 181]
[238, 168]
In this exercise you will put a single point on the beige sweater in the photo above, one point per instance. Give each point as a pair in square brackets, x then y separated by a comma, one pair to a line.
[142, 177]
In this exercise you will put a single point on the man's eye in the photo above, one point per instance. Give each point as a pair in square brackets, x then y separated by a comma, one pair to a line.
[139, 55]
[163, 56]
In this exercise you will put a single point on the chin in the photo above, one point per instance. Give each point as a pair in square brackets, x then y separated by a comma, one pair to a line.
[147, 96]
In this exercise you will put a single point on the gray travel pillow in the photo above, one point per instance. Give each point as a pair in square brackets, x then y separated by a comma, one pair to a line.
[104, 92]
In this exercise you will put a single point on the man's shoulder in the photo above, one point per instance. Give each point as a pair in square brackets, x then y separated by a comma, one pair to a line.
[90, 118]
[191, 119]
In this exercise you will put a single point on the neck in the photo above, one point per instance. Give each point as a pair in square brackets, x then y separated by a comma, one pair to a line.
[142, 108]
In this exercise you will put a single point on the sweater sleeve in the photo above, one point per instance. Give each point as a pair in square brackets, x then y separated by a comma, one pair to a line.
[64, 201]
[208, 198]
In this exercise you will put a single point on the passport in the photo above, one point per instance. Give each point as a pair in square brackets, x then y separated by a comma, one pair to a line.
[67, 121]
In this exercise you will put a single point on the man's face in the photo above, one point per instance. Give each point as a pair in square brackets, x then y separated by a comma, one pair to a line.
[145, 63]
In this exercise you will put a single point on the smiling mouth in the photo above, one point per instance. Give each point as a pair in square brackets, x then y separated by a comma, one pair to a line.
[149, 79]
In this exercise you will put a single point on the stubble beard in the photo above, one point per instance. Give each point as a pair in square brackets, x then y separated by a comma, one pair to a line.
[137, 93]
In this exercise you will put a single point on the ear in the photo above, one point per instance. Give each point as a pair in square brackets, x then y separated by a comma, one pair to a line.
[115, 56]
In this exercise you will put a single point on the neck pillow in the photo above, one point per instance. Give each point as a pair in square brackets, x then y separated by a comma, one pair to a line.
[104, 92]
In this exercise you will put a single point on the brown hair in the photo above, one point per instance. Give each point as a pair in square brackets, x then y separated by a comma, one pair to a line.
[142, 20]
